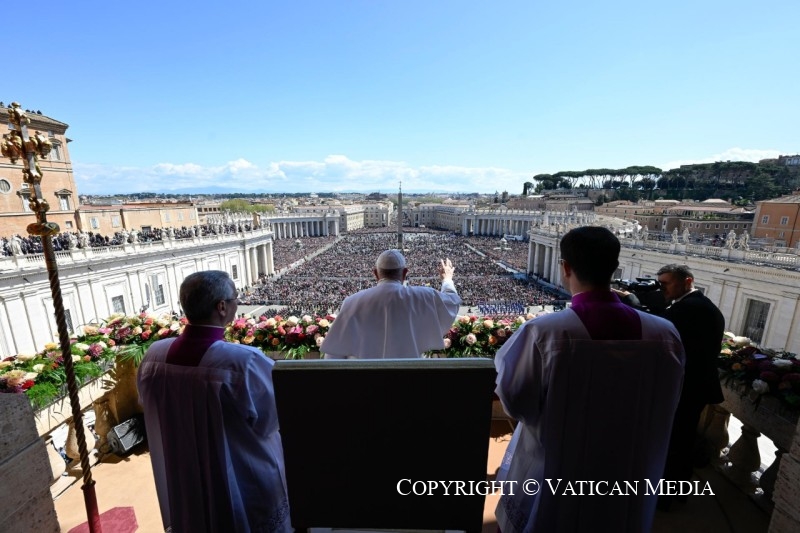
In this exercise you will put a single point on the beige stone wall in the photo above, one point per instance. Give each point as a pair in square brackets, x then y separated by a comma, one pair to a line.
[773, 228]
[25, 500]
[57, 171]
[107, 220]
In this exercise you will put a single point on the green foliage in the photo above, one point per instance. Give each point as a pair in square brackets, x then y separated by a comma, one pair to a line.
[237, 205]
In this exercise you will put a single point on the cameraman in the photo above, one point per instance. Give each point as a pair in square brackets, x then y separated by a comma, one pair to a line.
[701, 326]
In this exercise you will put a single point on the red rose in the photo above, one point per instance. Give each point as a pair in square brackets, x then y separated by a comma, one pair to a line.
[769, 377]
[27, 384]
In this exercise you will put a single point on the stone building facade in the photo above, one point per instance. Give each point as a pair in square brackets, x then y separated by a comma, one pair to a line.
[58, 184]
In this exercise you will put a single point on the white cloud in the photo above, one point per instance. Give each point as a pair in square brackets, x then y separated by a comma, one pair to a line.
[335, 173]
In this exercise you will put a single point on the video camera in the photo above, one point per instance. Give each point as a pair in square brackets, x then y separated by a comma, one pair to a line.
[647, 291]
[640, 285]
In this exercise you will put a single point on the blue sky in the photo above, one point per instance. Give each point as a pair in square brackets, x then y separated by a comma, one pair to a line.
[320, 96]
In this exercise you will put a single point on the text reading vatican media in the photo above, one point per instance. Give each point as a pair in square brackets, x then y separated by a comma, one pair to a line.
[557, 487]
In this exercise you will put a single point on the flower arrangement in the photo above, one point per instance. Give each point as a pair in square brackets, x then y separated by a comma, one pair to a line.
[293, 336]
[761, 370]
[474, 336]
[135, 333]
[42, 377]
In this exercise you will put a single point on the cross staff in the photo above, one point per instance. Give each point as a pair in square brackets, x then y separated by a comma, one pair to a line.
[19, 144]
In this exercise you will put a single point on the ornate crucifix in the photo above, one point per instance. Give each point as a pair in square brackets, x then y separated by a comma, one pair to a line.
[19, 144]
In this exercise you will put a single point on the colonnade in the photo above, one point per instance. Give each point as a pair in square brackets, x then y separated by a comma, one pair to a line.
[293, 228]
[517, 222]
[543, 260]
[258, 260]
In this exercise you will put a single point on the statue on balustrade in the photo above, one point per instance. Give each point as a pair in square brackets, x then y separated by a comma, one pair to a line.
[72, 241]
[171, 233]
[123, 236]
[16, 245]
[675, 236]
[744, 241]
[730, 240]
[645, 233]
[134, 236]
[83, 240]
[686, 238]
[164, 234]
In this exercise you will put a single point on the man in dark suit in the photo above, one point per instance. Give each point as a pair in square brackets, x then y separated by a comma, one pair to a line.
[701, 326]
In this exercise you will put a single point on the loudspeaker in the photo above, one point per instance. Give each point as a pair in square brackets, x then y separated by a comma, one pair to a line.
[122, 438]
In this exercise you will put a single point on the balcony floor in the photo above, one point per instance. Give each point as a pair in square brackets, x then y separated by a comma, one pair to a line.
[128, 482]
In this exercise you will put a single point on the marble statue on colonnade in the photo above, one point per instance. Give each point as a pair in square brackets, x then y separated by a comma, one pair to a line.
[675, 236]
[744, 241]
[685, 235]
[730, 241]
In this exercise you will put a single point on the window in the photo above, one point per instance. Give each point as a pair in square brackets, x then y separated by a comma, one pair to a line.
[55, 152]
[726, 226]
[781, 234]
[235, 271]
[68, 320]
[115, 221]
[784, 221]
[765, 219]
[157, 282]
[755, 319]
[166, 216]
[68, 224]
[5, 186]
[94, 223]
[63, 203]
[118, 304]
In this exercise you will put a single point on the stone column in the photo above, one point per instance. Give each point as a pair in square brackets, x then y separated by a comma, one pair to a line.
[547, 256]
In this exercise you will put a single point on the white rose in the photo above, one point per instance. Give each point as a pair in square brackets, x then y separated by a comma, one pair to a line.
[760, 387]
[463, 319]
[782, 363]
[488, 323]
[270, 323]
[307, 319]
[163, 322]
[319, 340]
[447, 343]
[26, 357]
[740, 341]
[81, 346]
[38, 368]
[471, 339]
[77, 358]
[324, 323]
[174, 326]
[30, 375]
[292, 321]
[520, 320]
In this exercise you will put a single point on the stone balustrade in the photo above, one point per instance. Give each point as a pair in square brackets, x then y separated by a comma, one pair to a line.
[87, 255]
[741, 461]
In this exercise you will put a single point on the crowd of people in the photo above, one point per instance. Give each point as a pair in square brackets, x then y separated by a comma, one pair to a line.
[319, 285]
[70, 240]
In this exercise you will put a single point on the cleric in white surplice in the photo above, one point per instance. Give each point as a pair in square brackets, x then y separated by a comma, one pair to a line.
[595, 389]
[212, 426]
[392, 320]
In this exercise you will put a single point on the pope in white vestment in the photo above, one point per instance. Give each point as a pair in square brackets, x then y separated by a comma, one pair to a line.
[392, 320]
